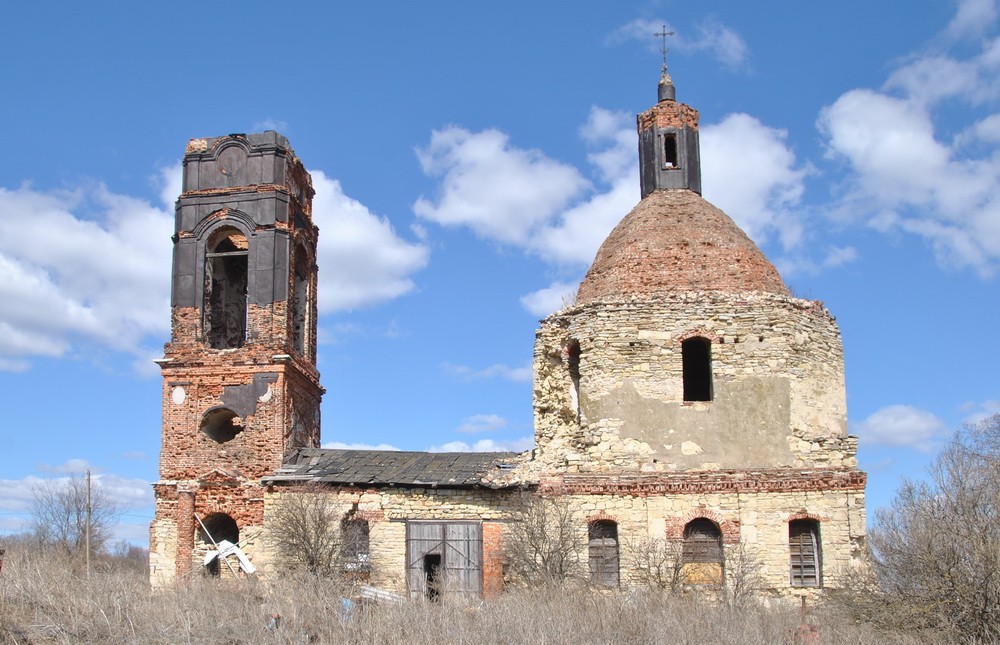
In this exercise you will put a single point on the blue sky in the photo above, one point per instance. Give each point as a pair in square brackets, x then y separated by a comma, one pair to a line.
[468, 159]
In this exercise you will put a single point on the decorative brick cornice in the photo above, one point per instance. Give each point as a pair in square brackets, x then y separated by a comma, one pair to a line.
[777, 480]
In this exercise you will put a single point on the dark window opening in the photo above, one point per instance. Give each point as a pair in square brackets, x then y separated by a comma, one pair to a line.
[670, 151]
[432, 576]
[702, 542]
[212, 530]
[804, 548]
[225, 303]
[355, 546]
[603, 553]
[573, 362]
[696, 356]
[221, 425]
[300, 303]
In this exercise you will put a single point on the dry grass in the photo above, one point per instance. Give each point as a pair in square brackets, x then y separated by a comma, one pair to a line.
[44, 598]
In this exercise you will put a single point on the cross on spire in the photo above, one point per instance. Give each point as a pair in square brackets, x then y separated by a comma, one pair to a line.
[663, 48]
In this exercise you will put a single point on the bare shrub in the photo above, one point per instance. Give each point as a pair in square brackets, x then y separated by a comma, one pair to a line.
[43, 601]
[544, 544]
[656, 562]
[744, 575]
[306, 530]
[936, 550]
[58, 510]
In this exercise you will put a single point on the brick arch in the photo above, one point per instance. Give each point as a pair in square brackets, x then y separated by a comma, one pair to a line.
[729, 527]
[601, 516]
[803, 514]
[224, 217]
[697, 332]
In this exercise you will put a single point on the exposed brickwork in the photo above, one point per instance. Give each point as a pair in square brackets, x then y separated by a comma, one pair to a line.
[687, 483]
[231, 415]
[668, 114]
[492, 559]
[672, 241]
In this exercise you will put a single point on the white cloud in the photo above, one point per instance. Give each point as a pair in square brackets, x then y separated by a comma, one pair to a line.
[710, 35]
[77, 267]
[903, 175]
[750, 173]
[523, 198]
[902, 425]
[499, 191]
[573, 236]
[727, 46]
[270, 124]
[487, 445]
[972, 18]
[552, 298]
[339, 445]
[517, 374]
[977, 413]
[362, 260]
[478, 423]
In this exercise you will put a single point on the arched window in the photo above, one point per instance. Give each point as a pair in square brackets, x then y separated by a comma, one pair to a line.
[221, 425]
[224, 315]
[603, 552]
[702, 542]
[701, 553]
[213, 529]
[696, 354]
[805, 554]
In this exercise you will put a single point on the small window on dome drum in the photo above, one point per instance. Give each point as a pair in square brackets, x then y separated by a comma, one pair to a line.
[696, 354]
[670, 151]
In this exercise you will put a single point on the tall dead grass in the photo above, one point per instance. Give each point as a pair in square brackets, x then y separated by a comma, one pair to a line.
[46, 598]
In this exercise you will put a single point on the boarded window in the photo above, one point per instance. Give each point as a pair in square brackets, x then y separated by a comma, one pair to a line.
[702, 542]
[696, 354]
[225, 303]
[603, 552]
[701, 553]
[444, 559]
[804, 550]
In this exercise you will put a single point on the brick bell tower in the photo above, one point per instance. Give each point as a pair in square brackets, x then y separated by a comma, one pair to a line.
[240, 387]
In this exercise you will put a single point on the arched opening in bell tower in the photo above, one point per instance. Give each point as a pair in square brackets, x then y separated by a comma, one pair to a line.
[225, 305]
[214, 529]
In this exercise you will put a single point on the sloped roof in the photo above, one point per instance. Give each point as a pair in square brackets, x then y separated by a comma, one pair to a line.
[672, 241]
[397, 468]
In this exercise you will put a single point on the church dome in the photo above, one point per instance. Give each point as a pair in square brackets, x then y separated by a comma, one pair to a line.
[675, 241]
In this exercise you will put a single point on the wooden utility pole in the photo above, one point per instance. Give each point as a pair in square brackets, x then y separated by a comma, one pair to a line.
[87, 526]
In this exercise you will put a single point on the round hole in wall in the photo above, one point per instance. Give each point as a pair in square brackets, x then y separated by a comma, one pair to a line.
[221, 425]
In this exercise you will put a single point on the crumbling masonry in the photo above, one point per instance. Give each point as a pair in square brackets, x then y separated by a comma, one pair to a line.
[685, 397]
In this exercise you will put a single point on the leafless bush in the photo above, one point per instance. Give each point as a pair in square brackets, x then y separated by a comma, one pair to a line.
[543, 544]
[58, 511]
[744, 576]
[43, 601]
[657, 562]
[936, 550]
[307, 533]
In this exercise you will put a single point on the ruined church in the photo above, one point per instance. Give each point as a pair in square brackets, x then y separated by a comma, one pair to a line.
[685, 398]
